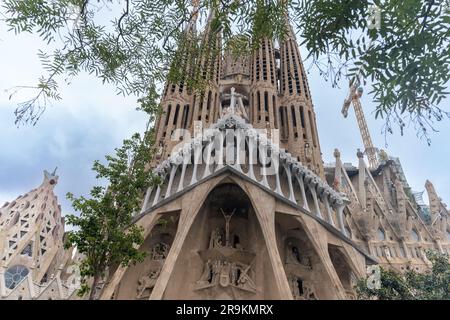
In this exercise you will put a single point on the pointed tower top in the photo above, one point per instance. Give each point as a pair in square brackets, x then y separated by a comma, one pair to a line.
[192, 23]
[336, 153]
[51, 178]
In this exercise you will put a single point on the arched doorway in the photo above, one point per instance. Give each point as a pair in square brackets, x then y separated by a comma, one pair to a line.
[224, 255]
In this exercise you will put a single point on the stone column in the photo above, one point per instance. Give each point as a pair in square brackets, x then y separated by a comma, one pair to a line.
[186, 219]
[303, 192]
[171, 177]
[327, 206]
[316, 202]
[340, 213]
[265, 212]
[146, 199]
[2, 281]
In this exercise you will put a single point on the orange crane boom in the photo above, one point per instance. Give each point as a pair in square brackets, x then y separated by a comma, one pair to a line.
[354, 96]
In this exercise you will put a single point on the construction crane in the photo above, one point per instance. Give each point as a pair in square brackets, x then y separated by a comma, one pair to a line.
[354, 96]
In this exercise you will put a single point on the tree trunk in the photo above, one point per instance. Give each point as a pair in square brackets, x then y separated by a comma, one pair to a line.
[93, 290]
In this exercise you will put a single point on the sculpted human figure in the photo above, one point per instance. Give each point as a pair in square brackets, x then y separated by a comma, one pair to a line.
[216, 239]
[225, 274]
[236, 104]
[293, 283]
[234, 273]
[293, 253]
[216, 268]
[227, 217]
[146, 282]
[206, 276]
[308, 291]
[296, 253]
[308, 152]
[159, 251]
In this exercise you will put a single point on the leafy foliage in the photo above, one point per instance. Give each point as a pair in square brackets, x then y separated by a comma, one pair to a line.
[432, 285]
[103, 231]
[406, 60]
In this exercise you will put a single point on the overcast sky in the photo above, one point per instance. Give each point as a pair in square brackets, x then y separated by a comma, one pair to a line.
[91, 120]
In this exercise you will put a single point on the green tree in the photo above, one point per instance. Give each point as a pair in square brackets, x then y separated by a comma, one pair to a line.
[406, 59]
[103, 231]
[412, 285]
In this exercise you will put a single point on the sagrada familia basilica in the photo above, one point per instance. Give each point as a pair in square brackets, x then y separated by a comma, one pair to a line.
[247, 209]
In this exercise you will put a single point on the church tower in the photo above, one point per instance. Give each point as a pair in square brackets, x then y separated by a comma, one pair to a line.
[31, 236]
[240, 214]
[297, 119]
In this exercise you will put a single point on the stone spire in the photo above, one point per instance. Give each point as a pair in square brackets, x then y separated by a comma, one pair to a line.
[182, 104]
[361, 179]
[438, 211]
[263, 100]
[337, 182]
[176, 101]
[297, 119]
[273, 87]
[31, 232]
[206, 102]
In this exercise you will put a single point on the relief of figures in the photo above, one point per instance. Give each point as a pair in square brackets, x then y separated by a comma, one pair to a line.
[301, 290]
[146, 283]
[216, 238]
[294, 256]
[225, 262]
[159, 251]
[226, 273]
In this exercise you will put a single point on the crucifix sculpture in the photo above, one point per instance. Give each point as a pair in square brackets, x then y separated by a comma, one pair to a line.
[227, 217]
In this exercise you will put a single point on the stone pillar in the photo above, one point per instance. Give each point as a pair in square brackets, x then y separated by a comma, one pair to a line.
[287, 168]
[187, 217]
[171, 177]
[316, 202]
[329, 213]
[2, 281]
[340, 213]
[265, 212]
[251, 156]
[302, 190]
[157, 194]
[146, 199]
[361, 180]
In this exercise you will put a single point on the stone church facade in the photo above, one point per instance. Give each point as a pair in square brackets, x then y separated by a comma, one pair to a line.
[33, 262]
[247, 209]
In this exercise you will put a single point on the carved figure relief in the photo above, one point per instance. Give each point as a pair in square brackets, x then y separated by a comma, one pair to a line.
[146, 283]
[159, 251]
[308, 152]
[216, 238]
[301, 290]
[236, 106]
[225, 262]
[294, 256]
[226, 273]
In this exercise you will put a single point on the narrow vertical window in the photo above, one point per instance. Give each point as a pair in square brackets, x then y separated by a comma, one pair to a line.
[208, 104]
[168, 114]
[175, 116]
[294, 120]
[274, 107]
[185, 116]
[313, 132]
[266, 101]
